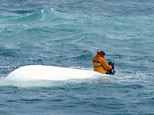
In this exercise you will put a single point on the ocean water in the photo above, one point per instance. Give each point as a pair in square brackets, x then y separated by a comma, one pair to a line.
[68, 33]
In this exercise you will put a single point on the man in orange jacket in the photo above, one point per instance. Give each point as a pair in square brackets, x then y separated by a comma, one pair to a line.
[100, 64]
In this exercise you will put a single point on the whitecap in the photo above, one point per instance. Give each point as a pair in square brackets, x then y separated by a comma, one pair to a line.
[43, 17]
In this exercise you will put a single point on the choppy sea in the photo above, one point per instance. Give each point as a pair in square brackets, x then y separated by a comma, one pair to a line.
[68, 33]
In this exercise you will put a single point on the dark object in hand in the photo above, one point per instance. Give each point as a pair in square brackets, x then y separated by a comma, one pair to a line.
[112, 71]
[111, 64]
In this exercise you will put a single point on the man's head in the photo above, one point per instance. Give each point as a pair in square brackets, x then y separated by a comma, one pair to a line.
[102, 52]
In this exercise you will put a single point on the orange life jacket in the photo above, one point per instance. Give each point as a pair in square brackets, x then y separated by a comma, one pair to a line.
[100, 64]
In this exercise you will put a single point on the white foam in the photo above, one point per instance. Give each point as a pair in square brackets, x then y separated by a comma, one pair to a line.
[41, 72]
[52, 9]
[42, 11]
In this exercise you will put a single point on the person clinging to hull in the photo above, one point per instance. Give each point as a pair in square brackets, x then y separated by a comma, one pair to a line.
[100, 64]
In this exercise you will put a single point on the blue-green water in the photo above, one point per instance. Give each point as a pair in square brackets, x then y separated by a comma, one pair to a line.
[68, 33]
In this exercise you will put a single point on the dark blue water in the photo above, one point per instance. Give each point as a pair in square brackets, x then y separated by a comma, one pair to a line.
[68, 34]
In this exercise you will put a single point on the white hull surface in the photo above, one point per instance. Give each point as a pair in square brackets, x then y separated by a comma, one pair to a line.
[41, 72]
